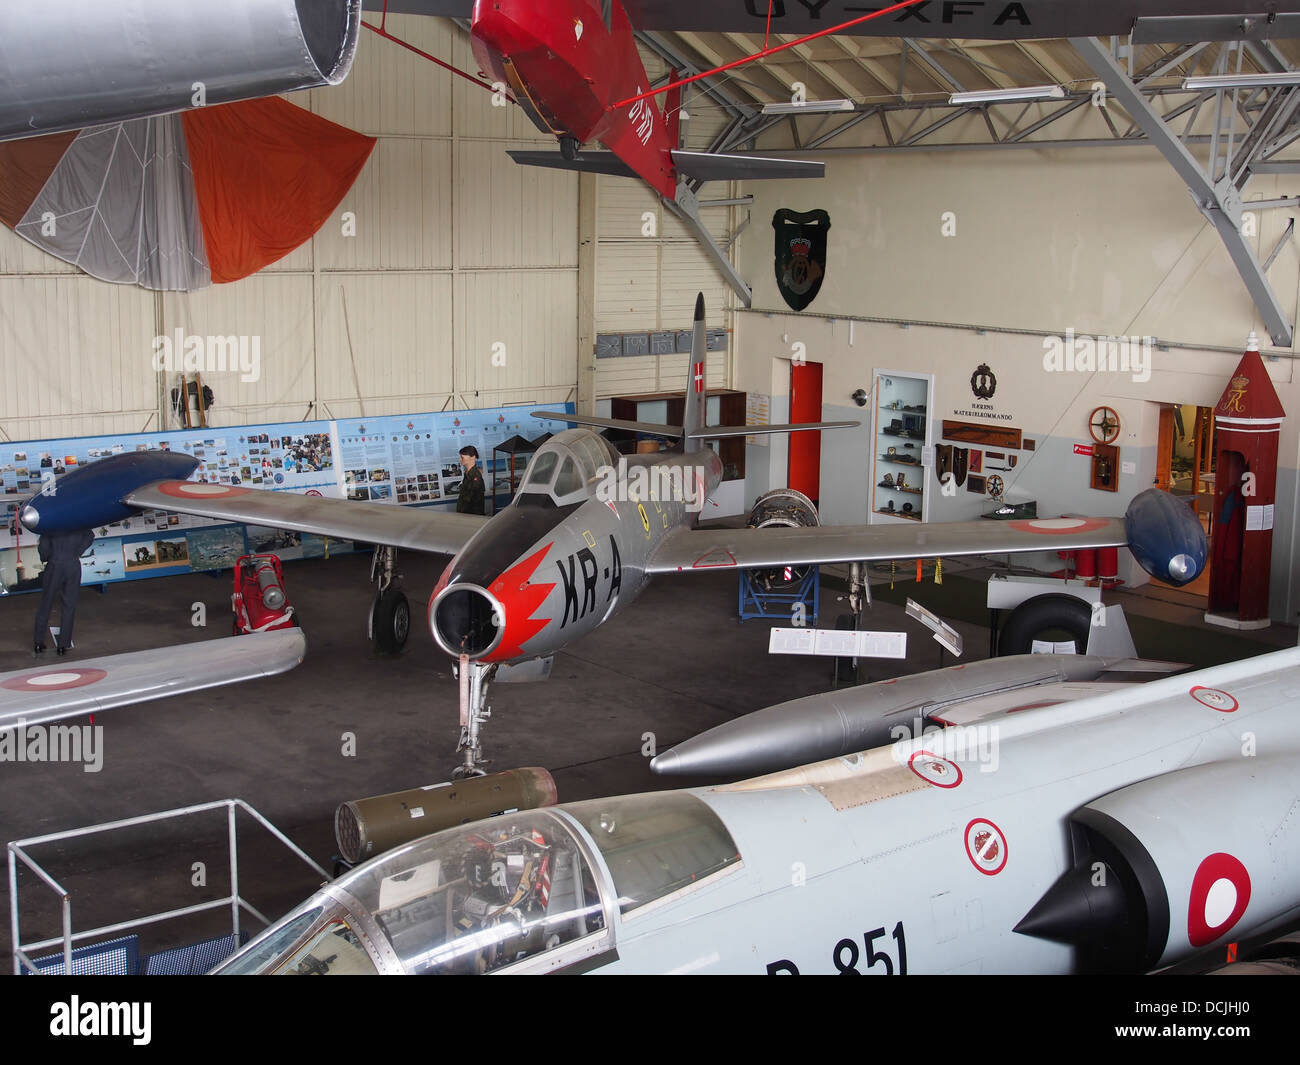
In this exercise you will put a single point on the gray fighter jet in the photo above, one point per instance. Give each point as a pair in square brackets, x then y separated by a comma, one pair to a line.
[1105, 829]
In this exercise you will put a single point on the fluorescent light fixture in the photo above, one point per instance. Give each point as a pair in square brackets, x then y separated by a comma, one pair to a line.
[808, 107]
[1243, 81]
[994, 96]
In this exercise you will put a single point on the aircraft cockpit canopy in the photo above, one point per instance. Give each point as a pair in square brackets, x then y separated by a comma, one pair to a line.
[567, 467]
[534, 891]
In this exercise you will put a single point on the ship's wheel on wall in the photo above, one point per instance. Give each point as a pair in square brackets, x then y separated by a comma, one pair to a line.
[1103, 424]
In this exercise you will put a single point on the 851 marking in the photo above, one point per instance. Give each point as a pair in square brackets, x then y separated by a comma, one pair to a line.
[845, 956]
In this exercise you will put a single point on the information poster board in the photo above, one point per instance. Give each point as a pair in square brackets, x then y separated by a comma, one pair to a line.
[407, 460]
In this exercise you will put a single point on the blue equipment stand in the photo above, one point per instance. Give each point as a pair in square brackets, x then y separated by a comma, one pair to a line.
[779, 606]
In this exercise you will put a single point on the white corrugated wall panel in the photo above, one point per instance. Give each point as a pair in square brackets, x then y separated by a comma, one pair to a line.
[686, 272]
[394, 344]
[391, 90]
[274, 309]
[626, 377]
[401, 205]
[627, 286]
[511, 215]
[515, 330]
[76, 355]
[18, 256]
[622, 208]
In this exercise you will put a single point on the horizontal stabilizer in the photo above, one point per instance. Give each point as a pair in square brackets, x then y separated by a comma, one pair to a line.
[702, 166]
[588, 162]
[716, 166]
[722, 432]
[653, 428]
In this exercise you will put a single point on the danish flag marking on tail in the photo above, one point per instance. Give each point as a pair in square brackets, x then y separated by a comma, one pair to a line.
[697, 374]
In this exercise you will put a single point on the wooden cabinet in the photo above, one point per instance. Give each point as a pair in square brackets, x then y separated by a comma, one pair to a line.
[725, 406]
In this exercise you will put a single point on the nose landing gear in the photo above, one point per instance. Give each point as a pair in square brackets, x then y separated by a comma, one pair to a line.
[474, 712]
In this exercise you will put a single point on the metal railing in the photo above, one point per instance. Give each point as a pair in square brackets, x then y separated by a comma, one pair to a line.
[18, 852]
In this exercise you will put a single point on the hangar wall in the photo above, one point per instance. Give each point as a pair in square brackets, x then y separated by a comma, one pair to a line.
[456, 250]
[1105, 243]
[458, 289]
[649, 268]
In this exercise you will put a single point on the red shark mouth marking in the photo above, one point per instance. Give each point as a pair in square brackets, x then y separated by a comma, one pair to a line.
[519, 598]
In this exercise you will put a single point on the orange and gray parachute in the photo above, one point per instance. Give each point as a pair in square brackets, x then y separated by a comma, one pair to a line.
[177, 202]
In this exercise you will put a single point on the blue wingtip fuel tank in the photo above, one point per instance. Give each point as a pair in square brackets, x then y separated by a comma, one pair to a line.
[92, 495]
[1166, 537]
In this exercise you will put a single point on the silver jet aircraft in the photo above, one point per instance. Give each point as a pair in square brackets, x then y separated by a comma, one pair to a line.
[1098, 828]
[584, 535]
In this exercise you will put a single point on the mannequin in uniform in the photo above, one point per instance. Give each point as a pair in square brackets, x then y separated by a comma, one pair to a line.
[470, 500]
[61, 579]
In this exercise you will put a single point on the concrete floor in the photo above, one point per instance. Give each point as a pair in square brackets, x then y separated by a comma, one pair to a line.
[674, 664]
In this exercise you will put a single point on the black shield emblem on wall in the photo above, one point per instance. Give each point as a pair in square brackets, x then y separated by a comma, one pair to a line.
[800, 254]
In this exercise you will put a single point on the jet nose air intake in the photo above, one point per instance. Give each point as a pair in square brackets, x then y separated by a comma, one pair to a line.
[466, 620]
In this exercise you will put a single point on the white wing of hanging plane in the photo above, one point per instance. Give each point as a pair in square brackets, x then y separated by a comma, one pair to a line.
[52, 692]
[699, 550]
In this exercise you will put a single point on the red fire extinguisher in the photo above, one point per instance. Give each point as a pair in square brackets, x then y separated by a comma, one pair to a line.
[259, 600]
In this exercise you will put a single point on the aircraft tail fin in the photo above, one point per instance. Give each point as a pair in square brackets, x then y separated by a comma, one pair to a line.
[697, 389]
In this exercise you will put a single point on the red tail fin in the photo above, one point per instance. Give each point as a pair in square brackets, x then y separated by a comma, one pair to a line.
[673, 112]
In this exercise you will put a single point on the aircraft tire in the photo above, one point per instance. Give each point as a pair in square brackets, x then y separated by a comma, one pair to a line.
[1041, 614]
[390, 621]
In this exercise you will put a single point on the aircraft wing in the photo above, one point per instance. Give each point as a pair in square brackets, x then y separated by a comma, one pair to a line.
[34, 696]
[698, 550]
[342, 519]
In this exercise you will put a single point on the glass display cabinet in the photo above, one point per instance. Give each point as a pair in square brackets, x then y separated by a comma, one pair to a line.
[902, 438]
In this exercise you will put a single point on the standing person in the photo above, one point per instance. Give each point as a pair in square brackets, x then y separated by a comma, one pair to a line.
[61, 578]
[470, 500]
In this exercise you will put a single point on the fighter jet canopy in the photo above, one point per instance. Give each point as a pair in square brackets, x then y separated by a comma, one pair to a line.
[566, 468]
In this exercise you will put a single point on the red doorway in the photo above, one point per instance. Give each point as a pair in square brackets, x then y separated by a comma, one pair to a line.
[806, 448]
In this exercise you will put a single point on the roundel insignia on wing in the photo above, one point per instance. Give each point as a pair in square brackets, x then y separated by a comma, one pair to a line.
[196, 490]
[1214, 698]
[940, 772]
[986, 846]
[53, 680]
[1219, 896]
[1057, 526]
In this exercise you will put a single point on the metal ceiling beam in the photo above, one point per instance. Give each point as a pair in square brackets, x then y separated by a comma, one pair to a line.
[1220, 202]
[946, 80]
[673, 56]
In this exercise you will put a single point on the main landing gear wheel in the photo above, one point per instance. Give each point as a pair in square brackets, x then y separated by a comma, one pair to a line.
[390, 621]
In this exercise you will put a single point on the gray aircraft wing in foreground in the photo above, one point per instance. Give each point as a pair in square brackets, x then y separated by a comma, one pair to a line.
[87, 686]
